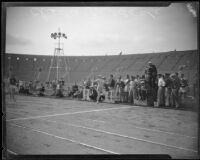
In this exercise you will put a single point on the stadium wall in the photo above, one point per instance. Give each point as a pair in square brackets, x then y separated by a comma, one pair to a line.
[26, 67]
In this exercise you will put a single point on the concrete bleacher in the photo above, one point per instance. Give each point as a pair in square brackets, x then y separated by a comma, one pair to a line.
[190, 60]
[81, 67]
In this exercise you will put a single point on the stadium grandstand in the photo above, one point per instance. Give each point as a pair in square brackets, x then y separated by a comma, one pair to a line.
[26, 67]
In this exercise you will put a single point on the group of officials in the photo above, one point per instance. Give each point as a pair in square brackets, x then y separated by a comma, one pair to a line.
[157, 89]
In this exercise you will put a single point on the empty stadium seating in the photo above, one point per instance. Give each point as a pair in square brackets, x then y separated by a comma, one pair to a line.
[26, 67]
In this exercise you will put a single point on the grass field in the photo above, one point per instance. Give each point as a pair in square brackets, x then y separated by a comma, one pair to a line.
[36, 125]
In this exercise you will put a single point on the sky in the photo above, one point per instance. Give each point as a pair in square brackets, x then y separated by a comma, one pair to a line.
[101, 30]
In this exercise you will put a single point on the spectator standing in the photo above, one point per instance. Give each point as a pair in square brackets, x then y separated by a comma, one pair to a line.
[86, 89]
[175, 90]
[143, 88]
[117, 89]
[88, 84]
[161, 85]
[137, 83]
[132, 90]
[151, 74]
[54, 87]
[121, 86]
[183, 87]
[126, 88]
[111, 85]
[151, 71]
[168, 90]
[12, 87]
[26, 88]
[100, 85]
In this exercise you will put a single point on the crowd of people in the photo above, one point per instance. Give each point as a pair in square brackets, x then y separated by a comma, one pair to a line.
[163, 90]
[156, 89]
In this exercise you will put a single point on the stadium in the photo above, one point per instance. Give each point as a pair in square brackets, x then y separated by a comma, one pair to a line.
[52, 109]
[26, 67]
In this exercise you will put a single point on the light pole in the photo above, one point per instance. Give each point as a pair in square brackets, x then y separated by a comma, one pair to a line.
[58, 35]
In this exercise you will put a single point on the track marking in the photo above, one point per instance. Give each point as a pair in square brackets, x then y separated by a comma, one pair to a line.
[124, 136]
[61, 114]
[172, 133]
[18, 113]
[94, 120]
[66, 139]
[153, 130]
[11, 152]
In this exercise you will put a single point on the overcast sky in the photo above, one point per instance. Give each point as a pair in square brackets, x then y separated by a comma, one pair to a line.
[102, 30]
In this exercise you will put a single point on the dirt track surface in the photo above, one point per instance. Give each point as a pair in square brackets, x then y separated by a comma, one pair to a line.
[56, 126]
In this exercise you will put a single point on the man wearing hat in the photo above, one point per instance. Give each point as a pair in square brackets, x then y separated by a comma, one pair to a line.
[151, 77]
[151, 71]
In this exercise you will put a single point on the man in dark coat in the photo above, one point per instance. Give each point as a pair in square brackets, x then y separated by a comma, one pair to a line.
[168, 90]
[151, 71]
[151, 74]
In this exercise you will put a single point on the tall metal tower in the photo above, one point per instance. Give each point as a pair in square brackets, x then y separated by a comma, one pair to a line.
[58, 57]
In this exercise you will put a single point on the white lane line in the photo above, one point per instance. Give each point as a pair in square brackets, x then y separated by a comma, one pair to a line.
[172, 133]
[153, 130]
[8, 150]
[94, 120]
[21, 112]
[66, 139]
[124, 136]
[61, 114]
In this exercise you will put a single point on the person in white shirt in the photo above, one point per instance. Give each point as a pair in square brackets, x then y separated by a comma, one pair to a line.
[84, 89]
[132, 90]
[126, 88]
[161, 89]
[100, 83]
